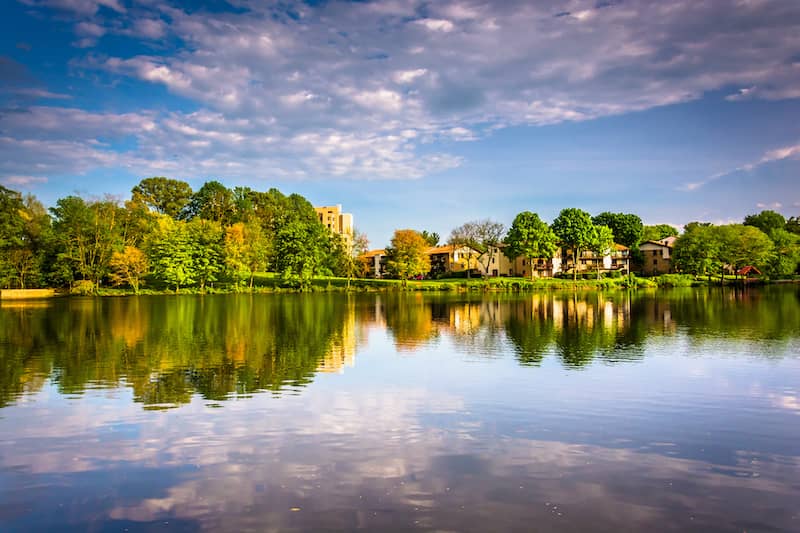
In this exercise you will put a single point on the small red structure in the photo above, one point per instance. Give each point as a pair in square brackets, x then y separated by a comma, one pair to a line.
[747, 270]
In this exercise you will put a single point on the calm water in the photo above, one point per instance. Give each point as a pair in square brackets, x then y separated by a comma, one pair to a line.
[553, 412]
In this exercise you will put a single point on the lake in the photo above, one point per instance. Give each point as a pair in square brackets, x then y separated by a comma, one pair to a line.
[648, 411]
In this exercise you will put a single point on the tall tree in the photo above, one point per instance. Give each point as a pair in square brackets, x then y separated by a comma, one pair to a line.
[695, 251]
[247, 251]
[601, 244]
[575, 229]
[206, 237]
[213, 201]
[626, 227]
[766, 221]
[300, 247]
[128, 267]
[786, 257]
[432, 238]
[793, 225]
[12, 224]
[658, 232]
[163, 195]
[406, 255]
[744, 245]
[171, 254]
[87, 234]
[530, 237]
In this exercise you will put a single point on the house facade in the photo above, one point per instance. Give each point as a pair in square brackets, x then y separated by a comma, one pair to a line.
[657, 256]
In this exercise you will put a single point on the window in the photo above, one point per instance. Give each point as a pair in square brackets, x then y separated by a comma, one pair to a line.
[493, 262]
[655, 262]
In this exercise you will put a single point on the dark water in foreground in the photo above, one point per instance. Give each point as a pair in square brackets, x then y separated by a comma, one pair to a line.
[553, 412]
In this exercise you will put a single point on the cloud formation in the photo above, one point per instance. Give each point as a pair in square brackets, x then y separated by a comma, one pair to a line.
[778, 154]
[377, 90]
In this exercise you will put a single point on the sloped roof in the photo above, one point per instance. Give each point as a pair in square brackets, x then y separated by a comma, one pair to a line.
[373, 253]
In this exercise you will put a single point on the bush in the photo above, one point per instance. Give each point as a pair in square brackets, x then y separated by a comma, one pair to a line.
[83, 287]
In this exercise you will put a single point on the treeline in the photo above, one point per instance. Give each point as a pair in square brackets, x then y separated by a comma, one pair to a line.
[765, 240]
[167, 235]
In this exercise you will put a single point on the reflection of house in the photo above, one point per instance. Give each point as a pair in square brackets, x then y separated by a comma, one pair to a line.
[340, 223]
[657, 256]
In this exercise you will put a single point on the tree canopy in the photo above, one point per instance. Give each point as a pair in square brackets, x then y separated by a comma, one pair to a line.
[530, 237]
[575, 230]
[627, 228]
[407, 257]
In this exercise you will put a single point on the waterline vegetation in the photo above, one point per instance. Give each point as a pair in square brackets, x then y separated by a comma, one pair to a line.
[167, 238]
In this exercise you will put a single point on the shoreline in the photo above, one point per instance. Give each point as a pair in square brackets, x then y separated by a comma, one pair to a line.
[273, 285]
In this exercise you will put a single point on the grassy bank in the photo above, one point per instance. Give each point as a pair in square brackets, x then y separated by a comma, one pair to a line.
[271, 283]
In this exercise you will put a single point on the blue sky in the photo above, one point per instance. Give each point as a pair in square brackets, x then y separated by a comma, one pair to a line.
[411, 113]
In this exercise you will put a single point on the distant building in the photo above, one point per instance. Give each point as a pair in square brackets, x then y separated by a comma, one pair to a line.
[657, 256]
[340, 223]
[375, 263]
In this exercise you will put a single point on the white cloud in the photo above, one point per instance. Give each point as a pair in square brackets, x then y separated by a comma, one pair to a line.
[23, 181]
[408, 76]
[437, 25]
[778, 154]
[418, 71]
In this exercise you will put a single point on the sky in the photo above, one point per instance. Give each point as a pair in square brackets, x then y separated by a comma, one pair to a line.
[412, 114]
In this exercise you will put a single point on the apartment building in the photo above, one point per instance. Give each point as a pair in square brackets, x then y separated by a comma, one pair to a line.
[340, 223]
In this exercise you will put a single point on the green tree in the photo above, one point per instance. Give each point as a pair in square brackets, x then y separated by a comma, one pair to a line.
[300, 247]
[786, 257]
[432, 238]
[406, 255]
[744, 245]
[575, 229]
[87, 234]
[163, 195]
[206, 238]
[696, 250]
[766, 221]
[626, 227]
[213, 201]
[601, 244]
[247, 251]
[793, 225]
[11, 229]
[658, 232]
[530, 237]
[171, 253]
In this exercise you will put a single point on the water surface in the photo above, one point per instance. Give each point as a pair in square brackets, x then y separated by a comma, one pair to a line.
[672, 410]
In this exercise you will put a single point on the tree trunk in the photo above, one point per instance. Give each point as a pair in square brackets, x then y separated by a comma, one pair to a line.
[575, 254]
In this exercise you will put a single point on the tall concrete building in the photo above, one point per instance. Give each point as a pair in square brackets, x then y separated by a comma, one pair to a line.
[336, 221]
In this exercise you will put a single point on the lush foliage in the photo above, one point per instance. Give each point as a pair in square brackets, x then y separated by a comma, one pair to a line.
[575, 230]
[530, 237]
[165, 236]
[658, 232]
[407, 257]
[627, 228]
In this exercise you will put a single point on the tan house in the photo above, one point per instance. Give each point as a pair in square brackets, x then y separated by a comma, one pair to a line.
[657, 256]
[340, 223]
[375, 263]
[448, 259]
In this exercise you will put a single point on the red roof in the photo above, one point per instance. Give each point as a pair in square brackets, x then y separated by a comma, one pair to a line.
[749, 269]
